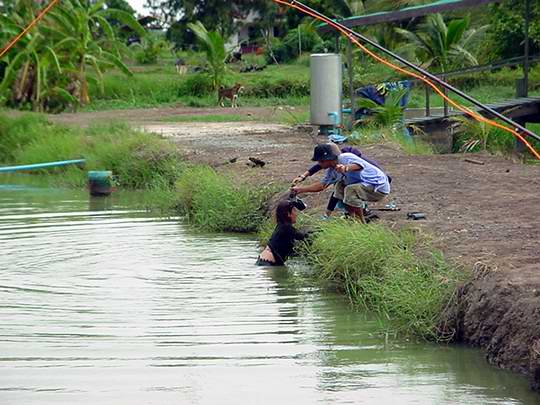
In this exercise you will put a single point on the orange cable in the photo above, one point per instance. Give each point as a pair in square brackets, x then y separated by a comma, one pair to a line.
[41, 14]
[464, 109]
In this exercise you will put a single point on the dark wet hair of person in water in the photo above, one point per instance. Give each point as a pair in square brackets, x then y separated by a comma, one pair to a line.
[283, 212]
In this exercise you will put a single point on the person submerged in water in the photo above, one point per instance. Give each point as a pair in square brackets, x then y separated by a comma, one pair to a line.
[281, 243]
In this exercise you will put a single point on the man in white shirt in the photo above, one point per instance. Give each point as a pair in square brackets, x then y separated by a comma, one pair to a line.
[355, 179]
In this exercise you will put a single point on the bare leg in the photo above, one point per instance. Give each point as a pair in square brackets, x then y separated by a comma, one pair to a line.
[267, 255]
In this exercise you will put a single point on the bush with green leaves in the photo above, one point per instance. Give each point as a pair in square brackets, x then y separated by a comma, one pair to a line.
[196, 85]
[301, 39]
[304, 38]
[149, 49]
[368, 134]
[266, 87]
[474, 136]
[279, 50]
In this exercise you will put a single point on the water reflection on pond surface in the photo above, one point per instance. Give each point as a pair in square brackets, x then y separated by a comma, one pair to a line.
[104, 303]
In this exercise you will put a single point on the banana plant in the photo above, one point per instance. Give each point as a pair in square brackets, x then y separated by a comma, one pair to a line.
[82, 33]
[443, 46]
[213, 44]
[26, 79]
[70, 48]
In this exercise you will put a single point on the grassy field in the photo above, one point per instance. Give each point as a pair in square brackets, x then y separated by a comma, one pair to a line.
[160, 85]
[153, 86]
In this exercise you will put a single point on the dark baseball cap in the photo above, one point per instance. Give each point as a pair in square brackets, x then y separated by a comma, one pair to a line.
[323, 152]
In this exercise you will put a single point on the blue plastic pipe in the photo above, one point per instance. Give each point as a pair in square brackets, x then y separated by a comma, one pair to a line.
[8, 169]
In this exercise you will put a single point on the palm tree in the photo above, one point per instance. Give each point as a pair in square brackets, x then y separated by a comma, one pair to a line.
[213, 45]
[349, 8]
[443, 46]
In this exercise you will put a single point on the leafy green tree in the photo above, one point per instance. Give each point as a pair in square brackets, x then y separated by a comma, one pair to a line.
[120, 5]
[443, 46]
[213, 45]
[507, 29]
[121, 31]
[211, 13]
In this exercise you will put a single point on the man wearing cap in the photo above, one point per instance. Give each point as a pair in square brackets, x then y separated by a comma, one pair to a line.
[355, 179]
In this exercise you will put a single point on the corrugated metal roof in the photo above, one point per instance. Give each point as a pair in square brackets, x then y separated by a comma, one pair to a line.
[407, 12]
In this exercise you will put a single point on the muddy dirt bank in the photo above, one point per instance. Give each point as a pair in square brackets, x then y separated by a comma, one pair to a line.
[500, 313]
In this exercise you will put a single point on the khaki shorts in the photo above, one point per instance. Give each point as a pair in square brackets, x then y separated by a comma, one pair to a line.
[355, 194]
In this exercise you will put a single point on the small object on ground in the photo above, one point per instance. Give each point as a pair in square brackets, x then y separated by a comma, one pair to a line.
[415, 216]
[100, 183]
[257, 162]
[474, 161]
[369, 215]
[227, 162]
[392, 206]
[336, 138]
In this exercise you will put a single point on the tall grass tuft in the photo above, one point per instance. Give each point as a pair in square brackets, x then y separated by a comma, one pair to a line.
[383, 271]
[138, 160]
[215, 203]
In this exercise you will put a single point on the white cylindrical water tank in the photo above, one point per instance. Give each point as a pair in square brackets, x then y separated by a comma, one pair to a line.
[326, 89]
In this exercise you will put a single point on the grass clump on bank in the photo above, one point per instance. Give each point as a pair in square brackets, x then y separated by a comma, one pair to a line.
[138, 160]
[383, 271]
[373, 135]
[214, 202]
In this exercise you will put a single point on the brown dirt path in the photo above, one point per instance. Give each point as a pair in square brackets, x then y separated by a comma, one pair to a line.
[154, 115]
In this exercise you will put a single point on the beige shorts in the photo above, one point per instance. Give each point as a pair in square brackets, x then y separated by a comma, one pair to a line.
[355, 194]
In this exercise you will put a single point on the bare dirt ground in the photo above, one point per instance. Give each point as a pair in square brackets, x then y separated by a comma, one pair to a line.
[152, 115]
[484, 217]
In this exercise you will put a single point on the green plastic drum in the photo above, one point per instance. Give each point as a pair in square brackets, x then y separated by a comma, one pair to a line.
[100, 183]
